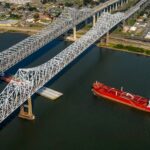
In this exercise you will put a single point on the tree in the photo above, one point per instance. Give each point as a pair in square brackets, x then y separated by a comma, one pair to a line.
[7, 5]
[87, 2]
[36, 16]
[70, 3]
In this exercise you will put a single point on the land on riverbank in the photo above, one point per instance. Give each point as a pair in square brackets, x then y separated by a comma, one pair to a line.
[25, 30]
[128, 48]
[121, 43]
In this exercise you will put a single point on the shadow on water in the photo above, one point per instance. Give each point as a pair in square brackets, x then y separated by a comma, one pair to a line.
[9, 39]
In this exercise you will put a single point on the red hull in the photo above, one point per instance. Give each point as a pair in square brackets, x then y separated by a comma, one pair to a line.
[121, 96]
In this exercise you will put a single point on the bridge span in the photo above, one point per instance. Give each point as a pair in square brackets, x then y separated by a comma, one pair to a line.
[66, 21]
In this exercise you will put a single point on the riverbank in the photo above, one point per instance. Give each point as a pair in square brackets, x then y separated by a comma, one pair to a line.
[29, 30]
[129, 49]
[127, 45]
[125, 41]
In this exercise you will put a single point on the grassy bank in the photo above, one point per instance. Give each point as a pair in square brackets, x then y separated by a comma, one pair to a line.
[128, 48]
[29, 31]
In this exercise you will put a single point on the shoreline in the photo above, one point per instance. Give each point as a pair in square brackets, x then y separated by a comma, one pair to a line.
[125, 50]
[29, 31]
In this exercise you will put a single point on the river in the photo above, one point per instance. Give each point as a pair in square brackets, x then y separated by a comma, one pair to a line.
[78, 120]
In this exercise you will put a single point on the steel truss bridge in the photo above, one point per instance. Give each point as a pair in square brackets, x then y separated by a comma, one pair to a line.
[66, 21]
[27, 81]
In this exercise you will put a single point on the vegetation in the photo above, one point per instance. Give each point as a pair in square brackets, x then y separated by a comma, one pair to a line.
[14, 16]
[36, 16]
[131, 21]
[79, 3]
[132, 49]
[7, 5]
[30, 7]
[2, 16]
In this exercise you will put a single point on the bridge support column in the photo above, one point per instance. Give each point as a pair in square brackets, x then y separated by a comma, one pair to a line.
[108, 9]
[116, 7]
[107, 38]
[74, 33]
[121, 3]
[105, 10]
[123, 24]
[97, 15]
[27, 114]
[94, 20]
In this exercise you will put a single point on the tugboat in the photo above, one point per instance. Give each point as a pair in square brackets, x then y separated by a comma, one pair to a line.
[120, 96]
[6, 78]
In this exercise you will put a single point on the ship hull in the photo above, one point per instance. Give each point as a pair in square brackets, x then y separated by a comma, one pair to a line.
[121, 101]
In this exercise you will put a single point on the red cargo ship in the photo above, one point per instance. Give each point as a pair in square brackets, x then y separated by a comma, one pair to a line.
[120, 96]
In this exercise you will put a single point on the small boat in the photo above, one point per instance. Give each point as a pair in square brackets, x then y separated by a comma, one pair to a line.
[120, 96]
[5, 78]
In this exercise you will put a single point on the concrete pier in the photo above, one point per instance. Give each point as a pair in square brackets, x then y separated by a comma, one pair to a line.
[49, 93]
[74, 33]
[26, 111]
[94, 20]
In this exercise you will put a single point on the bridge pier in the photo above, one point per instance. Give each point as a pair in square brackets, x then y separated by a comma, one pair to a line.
[74, 33]
[94, 20]
[107, 38]
[115, 6]
[27, 114]
[123, 24]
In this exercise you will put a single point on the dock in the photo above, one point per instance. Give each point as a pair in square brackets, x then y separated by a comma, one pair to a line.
[49, 93]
